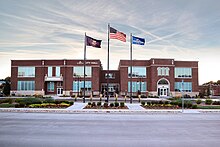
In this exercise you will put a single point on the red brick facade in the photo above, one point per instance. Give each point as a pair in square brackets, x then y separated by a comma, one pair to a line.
[118, 80]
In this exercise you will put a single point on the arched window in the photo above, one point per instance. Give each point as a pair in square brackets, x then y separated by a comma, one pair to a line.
[163, 82]
[159, 72]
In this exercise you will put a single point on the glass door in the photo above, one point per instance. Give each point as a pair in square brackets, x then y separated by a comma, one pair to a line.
[59, 91]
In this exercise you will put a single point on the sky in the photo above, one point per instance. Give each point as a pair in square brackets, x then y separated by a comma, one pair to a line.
[54, 29]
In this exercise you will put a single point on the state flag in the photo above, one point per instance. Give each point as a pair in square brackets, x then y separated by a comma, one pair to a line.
[137, 40]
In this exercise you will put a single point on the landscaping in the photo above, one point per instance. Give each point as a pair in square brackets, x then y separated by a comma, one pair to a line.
[105, 105]
[34, 103]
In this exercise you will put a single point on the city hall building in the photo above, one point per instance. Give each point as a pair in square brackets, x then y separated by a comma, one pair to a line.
[154, 77]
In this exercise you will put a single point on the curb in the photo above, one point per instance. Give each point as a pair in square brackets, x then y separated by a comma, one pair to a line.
[93, 111]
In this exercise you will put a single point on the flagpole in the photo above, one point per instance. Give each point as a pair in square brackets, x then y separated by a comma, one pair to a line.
[108, 67]
[131, 68]
[84, 78]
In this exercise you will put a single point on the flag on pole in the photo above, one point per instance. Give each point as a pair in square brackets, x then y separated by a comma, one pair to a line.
[115, 34]
[137, 40]
[93, 42]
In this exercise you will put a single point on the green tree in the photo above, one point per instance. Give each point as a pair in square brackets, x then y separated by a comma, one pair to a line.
[7, 86]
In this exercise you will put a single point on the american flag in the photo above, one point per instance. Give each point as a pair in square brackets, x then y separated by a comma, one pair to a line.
[114, 34]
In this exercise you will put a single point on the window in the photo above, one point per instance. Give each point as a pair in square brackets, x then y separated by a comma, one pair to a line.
[187, 86]
[163, 71]
[138, 86]
[50, 71]
[137, 71]
[79, 71]
[57, 71]
[79, 86]
[26, 85]
[50, 86]
[183, 72]
[26, 71]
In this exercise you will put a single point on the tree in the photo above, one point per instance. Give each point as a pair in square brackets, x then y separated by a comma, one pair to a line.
[218, 82]
[7, 86]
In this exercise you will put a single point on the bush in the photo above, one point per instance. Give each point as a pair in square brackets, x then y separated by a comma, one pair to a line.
[216, 103]
[105, 105]
[198, 101]
[18, 100]
[8, 100]
[143, 103]
[6, 105]
[93, 104]
[208, 101]
[99, 104]
[89, 103]
[111, 104]
[194, 106]
[71, 103]
[49, 100]
[116, 104]
[29, 101]
[122, 104]
[166, 102]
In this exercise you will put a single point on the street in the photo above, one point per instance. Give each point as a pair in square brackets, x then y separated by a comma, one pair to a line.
[54, 130]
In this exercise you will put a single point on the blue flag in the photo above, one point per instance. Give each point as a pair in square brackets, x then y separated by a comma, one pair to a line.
[137, 40]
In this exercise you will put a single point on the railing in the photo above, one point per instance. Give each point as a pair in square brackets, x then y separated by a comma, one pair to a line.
[53, 78]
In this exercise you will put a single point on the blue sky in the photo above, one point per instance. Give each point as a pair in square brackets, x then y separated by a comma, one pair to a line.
[54, 29]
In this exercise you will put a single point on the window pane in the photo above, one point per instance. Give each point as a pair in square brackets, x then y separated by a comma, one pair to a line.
[57, 71]
[50, 71]
[183, 72]
[79, 71]
[26, 85]
[137, 71]
[26, 71]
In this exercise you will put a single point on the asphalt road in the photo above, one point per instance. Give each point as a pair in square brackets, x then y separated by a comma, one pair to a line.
[94, 130]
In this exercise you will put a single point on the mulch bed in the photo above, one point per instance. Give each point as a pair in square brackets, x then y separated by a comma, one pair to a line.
[160, 107]
[102, 107]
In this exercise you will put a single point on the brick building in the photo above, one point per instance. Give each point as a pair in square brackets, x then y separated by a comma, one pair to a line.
[156, 77]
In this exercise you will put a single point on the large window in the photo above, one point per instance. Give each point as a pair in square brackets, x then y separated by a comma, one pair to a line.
[50, 86]
[50, 71]
[137, 71]
[26, 71]
[163, 71]
[186, 86]
[26, 85]
[57, 71]
[79, 86]
[138, 86]
[79, 71]
[183, 72]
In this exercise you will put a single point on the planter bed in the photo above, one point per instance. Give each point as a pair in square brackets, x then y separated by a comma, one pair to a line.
[160, 106]
[102, 107]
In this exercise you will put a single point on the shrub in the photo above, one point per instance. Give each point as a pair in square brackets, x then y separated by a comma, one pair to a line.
[49, 100]
[8, 100]
[194, 106]
[143, 103]
[99, 104]
[116, 104]
[105, 105]
[166, 102]
[6, 105]
[93, 104]
[18, 100]
[208, 101]
[111, 104]
[198, 101]
[160, 102]
[29, 101]
[71, 103]
[89, 103]
[216, 103]
[122, 104]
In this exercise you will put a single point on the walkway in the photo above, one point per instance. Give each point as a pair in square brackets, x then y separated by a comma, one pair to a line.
[134, 106]
[77, 106]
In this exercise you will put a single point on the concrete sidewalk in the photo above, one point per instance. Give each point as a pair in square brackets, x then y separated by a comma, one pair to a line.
[77, 106]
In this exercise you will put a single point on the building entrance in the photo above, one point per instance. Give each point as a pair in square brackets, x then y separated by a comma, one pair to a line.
[163, 88]
[59, 91]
